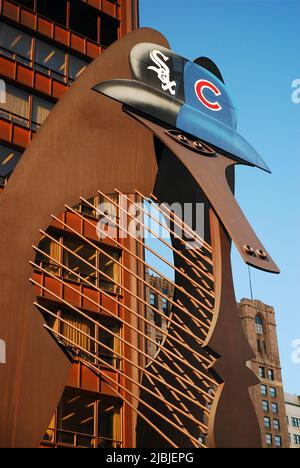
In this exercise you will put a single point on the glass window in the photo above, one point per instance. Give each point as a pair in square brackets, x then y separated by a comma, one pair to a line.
[262, 372]
[165, 305]
[274, 408]
[26, 3]
[157, 319]
[276, 424]
[258, 346]
[269, 439]
[109, 430]
[264, 390]
[76, 67]
[267, 422]
[111, 341]
[16, 107]
[273, 392]
[109, 30]
[259, 325]
[84, 251]
[14, 41]
[55, 10]
[52, 249]
[265, 405]
[50, 58]
[295, 422]
[76, 414]
[84, 20]
[9, 158]
[278, 442]
[296, 439]
[40, 111]
[111, 269]
[152, 299]
[270, 374]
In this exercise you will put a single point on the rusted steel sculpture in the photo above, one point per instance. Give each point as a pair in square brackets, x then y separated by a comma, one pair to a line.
[174, 137]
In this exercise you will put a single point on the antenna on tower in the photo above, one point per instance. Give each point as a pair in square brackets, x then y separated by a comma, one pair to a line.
[250, 282]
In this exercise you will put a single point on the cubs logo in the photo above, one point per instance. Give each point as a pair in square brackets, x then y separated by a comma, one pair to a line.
[200, 86]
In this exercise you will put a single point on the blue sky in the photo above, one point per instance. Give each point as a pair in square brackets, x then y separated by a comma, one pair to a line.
[256, 45]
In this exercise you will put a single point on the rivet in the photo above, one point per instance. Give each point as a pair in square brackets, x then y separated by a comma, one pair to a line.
[248, 249]
[198, 145]
[182, 138]
[260, 253]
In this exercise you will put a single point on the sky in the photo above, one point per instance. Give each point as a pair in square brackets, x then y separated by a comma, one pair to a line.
[256, 45]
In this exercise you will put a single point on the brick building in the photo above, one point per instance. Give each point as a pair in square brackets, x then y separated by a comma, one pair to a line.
[292, 406]
[44, 47]
[161, 303]
[260, 328]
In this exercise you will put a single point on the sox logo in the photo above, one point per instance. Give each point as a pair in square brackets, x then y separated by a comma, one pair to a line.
[162, 70]
[200, 85]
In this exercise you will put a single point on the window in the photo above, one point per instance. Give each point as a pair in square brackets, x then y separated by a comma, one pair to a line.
[73, 262]
[84, 20]
[110, 269]
[50, 58]
[296, 439]
[157, 319]
[265, 405]
[26, 3]
[258, 347]
[152, 299]
[276, 424]
[274, 408]
[109, 30]
[259, 327]
[16, 107]
[165, 305]
[83, 334]
[87, 420]
[76, 67]
[295, 422]
[55, 10]
[267, 422]
[264, 390]
[271, 374]
[81, 260]
[262, 372]
[273, 392]
[16, 44]
[269, 439]
[9, 158]
[278, 442]
[40, 111]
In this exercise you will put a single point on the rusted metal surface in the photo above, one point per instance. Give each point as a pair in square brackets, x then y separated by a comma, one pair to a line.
[84, 145]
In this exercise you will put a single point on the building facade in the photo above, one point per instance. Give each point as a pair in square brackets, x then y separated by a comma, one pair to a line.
[159, 298]
[44, 48]
[292, 407]
[260, 328]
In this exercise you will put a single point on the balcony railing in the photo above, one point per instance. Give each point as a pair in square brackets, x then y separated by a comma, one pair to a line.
[64, 438]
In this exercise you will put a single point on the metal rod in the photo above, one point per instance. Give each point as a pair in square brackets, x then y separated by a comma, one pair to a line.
[121, 357]
[122, 386]
[118, 318]
[176, 286]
